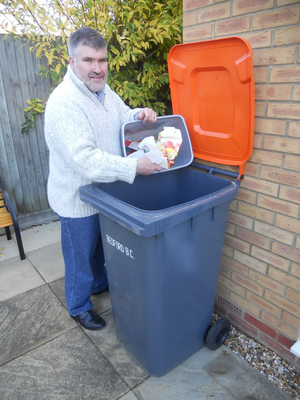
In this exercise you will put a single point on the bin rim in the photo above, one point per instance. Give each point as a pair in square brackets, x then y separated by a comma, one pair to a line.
[152, 222]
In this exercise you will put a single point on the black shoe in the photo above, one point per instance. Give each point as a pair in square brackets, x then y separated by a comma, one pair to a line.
[90, 320]
[104, 290]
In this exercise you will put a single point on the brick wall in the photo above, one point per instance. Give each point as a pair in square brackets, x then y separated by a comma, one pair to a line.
[259, 283]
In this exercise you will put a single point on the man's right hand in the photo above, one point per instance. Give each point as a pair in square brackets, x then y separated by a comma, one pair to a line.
[146, 167]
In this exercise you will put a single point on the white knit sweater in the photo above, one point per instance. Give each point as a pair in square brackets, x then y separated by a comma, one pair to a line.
[83, 137]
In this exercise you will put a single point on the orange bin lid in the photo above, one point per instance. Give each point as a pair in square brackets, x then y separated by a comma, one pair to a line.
[212, 87]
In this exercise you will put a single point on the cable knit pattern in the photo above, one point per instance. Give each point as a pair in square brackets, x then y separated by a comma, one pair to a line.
[83, 136]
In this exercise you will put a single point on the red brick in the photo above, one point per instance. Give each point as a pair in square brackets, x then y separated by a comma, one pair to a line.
[260, 74]
[287, 35]
[227, 251]
[257, 141]
[193, 4]
[274, 298]
[267, 158]
[214, 13]
[277, 348]
[282, 145]
[246, 6]
[281, 206]
[245, 304]
[243, 326]
[260, 109]
[267, 282]
[235, 266]
[261, 326]
[197, 33]
[292, 295]
[291, 320]
[253, 238]
[296, 94]
[225, 271]
[284, 110]
[273, 92]
[280, 176]
[237, 244]
[260, 186]
[288, 252]
[292, 162]
[270, 126]
[290, 224]
[279, 325]
[233, 25]
[286, 342]
[258, 39]
[291, 194]
[285, 74]
[294, 129]
[247, 284]
[295, 270]
[189, 18]
[250, 262]
[231, 285]
[279, 17]
[263, 304]
[246, 196]
[284, 278]
[251, 169]
[274, 56]
[255, 212]
[222, 291]
[286, 2]
[230, 228]
[270, 258]
[273, 233]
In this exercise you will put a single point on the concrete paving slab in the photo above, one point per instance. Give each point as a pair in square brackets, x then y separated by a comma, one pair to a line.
[40, 236]
[17, 277]
[102, 302]
[8, 249]
[48, 261]
[241, 380]
[68, 367]
[29, 320]
[129, 396]
[111, 348]
[187, 381]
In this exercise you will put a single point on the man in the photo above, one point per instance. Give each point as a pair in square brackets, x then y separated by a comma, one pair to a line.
[83, 119]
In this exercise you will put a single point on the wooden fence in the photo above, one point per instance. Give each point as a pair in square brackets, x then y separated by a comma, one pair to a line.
[23, 158]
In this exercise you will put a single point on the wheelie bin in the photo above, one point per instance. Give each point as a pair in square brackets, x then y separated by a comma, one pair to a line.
[163, 235]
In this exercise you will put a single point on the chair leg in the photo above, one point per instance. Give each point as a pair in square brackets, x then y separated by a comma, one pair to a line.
[8, 235]
[20, 243]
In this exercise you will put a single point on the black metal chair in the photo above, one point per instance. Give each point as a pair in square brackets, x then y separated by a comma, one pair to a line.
[8, 218]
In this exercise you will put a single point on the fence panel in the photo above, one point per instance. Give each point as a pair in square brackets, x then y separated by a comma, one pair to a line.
[23, 158]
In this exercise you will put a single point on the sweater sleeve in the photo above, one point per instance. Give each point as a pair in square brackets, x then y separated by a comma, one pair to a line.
[71, 139]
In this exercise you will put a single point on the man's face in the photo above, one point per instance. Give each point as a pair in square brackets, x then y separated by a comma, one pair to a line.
[90, 66]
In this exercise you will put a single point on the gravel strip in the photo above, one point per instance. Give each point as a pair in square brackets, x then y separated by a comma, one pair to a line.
[264, 360]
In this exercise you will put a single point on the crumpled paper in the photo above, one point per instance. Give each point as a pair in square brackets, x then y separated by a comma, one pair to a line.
[162, 152]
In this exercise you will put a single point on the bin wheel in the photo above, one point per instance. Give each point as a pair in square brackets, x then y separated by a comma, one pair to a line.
[218, 333]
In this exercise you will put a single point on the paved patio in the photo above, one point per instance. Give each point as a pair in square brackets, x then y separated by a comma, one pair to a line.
[44, 354]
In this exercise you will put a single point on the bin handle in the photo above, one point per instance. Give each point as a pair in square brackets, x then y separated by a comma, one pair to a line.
[213, 170]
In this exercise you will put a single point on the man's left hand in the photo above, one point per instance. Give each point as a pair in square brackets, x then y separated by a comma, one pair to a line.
[147, 115]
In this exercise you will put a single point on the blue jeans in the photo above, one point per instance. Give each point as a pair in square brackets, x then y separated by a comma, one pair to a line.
[85, 270]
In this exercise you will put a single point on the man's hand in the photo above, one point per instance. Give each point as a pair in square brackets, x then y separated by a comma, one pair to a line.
[146, 167]
[147, 115]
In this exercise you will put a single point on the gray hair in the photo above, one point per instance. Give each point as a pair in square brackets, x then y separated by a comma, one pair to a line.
[86, 37]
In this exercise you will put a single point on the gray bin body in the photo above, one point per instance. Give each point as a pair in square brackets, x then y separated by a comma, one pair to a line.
[163, 237]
